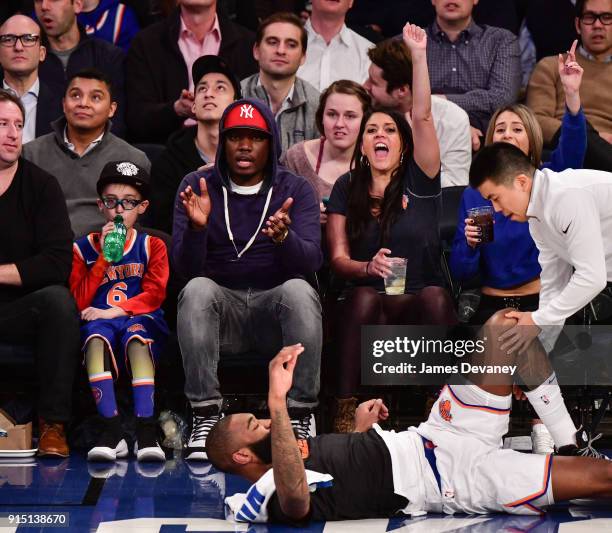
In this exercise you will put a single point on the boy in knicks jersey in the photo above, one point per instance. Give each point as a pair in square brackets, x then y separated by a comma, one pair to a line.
[123, 326]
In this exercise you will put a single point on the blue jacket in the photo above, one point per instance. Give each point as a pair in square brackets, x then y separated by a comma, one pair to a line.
[210, 252]
[512, 258]
[112, 21]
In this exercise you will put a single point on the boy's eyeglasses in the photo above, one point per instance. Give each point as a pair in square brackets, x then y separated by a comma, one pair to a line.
[27, 39]
[590, 18]
[126, 203]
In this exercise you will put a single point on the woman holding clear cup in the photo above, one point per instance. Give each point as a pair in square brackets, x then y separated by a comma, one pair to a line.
[508, 266]
[387, 208]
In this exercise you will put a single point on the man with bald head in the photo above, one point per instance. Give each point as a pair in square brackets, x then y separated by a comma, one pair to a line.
[21, 52]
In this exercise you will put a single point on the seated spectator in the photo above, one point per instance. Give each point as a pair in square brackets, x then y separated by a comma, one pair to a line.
[545, 93]
[70, 50]
[322, 161]
[111, 20]
[159, 63]
[334, 51]
[513, 280]
[388, 205]
[35, 306]
[280, 49]
[247, 234]
[190, 148]
[123, 325]
[474, 66]
[389, 84]
[20, 55]
[81, 144]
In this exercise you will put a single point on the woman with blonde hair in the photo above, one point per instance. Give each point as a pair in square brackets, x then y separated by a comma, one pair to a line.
[508, 267]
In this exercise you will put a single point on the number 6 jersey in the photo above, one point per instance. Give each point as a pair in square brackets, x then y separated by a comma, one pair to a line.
[136, 283]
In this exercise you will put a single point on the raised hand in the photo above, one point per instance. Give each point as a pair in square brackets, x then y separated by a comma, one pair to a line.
[414, 37]
[570, 73]
[280, 372]
[196, 206]
[183, 107]
[277, 226]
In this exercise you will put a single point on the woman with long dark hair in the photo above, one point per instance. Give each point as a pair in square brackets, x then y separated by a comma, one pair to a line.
[387, 206]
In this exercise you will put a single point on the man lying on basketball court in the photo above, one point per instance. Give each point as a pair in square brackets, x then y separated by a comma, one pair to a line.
[451, 463]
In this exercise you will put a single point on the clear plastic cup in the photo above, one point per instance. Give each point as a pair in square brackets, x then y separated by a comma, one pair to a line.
[483, 218]
[395, 283]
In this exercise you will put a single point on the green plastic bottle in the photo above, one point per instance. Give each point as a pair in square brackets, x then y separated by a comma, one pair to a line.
[115, 241]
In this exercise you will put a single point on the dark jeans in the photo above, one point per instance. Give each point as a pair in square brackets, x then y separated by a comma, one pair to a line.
[214, 320]
[48, 319]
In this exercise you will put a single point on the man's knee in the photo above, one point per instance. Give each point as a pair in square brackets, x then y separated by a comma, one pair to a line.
[296, 293]
[198, 294]
[57, 302]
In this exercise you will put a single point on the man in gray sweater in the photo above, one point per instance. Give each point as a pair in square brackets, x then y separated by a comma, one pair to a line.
[280, 49]
[80, 145]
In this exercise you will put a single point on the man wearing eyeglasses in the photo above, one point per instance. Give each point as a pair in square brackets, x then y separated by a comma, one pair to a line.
[545, 94]
[81, 144]
[21, 52]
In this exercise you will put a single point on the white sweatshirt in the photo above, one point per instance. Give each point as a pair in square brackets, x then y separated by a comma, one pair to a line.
[570, 220]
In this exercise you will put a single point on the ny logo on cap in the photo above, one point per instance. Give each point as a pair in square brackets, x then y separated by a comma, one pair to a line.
[246, 111]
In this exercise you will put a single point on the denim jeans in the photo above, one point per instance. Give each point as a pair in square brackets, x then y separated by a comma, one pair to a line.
[214, 320]
[48, 319]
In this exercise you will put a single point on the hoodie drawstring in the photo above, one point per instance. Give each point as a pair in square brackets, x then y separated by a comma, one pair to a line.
[229, 229]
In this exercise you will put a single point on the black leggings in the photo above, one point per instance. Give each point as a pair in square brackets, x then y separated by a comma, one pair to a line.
[365, 306]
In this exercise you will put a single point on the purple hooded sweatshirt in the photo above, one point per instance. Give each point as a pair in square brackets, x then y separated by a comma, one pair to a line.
[264, 265]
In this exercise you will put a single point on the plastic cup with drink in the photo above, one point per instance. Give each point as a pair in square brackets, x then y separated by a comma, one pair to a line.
[483, 218]
[395, 283]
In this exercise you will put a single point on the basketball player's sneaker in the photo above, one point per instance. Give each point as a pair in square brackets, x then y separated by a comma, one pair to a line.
[583, 446]
[111, 445]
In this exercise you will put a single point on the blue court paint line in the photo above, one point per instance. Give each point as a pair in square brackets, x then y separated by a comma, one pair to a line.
[177, 496]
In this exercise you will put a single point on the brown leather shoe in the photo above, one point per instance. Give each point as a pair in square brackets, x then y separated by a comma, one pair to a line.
[52, 440]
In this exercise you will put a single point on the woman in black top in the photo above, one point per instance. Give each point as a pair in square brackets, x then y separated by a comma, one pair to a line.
[388, 206]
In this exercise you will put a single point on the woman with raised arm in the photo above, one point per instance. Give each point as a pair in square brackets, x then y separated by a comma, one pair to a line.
[388, 207]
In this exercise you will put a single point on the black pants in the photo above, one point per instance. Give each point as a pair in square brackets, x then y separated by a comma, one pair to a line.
[598, 153]
[48, 319]
[489, 305]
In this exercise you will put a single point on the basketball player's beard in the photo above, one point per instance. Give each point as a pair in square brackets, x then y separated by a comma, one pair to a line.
[263, 448]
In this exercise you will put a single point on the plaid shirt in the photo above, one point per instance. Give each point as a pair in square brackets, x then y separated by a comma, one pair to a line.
[479, 72]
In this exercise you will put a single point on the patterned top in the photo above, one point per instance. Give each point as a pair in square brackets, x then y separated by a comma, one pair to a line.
[479, 72]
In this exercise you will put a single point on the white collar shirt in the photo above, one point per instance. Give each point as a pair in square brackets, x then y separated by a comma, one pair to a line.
[346, 57]
[29, 101]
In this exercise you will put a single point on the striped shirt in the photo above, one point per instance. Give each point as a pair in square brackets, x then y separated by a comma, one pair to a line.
[480, 71]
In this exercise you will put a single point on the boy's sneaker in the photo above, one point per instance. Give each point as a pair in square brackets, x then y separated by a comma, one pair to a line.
[303, 422]
[111, 444]
[204, 418]
[146, 447]
[583, 446]
[541, 440]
